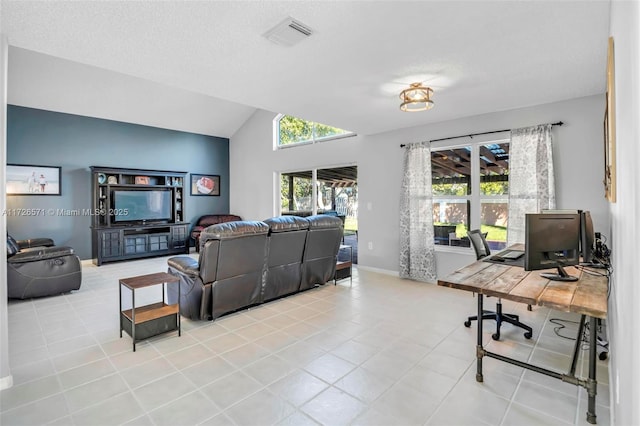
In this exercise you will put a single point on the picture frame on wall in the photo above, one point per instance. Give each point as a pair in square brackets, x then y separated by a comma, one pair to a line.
[610, 130]
[29, 179]
[142, 180]
[207, 185]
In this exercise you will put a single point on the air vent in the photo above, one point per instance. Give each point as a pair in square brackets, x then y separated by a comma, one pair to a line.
[288, 32]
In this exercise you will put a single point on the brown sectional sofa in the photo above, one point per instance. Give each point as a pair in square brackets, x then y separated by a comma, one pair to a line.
[244, 263]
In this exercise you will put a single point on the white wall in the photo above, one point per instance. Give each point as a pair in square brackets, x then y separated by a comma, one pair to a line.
[578, 149]
[624, 302]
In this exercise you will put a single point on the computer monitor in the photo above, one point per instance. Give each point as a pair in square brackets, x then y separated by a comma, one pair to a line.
[552, 240]
[587, 237]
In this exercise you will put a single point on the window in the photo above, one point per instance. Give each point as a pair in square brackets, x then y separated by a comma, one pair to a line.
[470, 185]
[335, 189]
[296, 192]
[294, 131]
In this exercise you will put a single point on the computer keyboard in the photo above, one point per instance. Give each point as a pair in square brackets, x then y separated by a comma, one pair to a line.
[510, 255]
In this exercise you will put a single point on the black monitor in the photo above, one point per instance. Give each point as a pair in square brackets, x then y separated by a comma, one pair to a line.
[552, 240]
[587, 237]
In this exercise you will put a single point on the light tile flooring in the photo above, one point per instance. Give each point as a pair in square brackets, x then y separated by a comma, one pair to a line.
[383, 351]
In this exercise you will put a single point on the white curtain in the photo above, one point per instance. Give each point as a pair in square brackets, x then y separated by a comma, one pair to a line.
[417, 252]
[531, 181]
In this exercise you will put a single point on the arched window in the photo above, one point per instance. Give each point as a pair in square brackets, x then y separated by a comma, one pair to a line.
[296, 131]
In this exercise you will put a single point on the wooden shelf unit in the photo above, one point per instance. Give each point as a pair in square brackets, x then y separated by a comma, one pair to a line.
[344, 267]
[150, 312]
[142, 322]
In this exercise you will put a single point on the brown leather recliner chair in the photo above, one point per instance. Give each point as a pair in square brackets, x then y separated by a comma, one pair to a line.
[287, 236]
[37, 268]
[229, 274]
[207, 220]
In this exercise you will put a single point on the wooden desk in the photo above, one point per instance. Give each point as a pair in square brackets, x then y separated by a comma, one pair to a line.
[587, 297]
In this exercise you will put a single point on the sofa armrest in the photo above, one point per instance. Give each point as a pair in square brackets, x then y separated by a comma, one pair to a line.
[185, 265]
[35, 242]
[34, 255]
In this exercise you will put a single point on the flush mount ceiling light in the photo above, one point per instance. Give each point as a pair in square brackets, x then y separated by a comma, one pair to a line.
[416, 98]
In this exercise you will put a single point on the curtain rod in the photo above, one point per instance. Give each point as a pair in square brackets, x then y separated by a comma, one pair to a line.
[471, 135]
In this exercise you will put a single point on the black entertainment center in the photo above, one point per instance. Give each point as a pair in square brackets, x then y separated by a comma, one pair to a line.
[137, 213]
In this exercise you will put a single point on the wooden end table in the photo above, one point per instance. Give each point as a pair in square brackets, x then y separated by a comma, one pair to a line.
[343, 267]
[142, 322]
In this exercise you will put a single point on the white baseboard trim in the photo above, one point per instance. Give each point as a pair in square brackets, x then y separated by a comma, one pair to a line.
[378, 270]
[387, 272]
[6, 382]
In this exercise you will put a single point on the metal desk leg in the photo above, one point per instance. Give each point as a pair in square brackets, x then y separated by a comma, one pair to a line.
[479, 350]
[576, 349]
[120, 310]
[592, 383]
[133, 318]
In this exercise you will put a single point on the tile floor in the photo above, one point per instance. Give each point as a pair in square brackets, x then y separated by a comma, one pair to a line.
[383, 351]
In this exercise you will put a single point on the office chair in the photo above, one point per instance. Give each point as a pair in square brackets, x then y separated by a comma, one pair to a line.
[480, 245]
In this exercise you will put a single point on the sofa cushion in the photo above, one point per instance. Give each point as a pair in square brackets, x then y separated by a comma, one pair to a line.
[324, 221]
[236, 229]
[287, 223]
[40, 253]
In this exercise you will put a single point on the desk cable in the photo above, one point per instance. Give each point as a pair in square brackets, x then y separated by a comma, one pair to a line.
[561, 323]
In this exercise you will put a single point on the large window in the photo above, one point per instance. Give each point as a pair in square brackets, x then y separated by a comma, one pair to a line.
[294, 131]
[470, 186]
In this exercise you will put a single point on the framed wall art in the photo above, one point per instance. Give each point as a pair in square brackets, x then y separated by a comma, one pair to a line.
[26, 179]
[610, 129]
[205, 184]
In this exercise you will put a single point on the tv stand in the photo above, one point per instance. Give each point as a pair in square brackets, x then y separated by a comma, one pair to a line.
[114, 241]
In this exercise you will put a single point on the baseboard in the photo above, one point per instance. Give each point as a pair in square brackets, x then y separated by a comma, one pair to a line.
[6, 382]
[378, 270]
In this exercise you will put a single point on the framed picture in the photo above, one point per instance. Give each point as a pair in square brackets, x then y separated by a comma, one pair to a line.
[25, 179]
[610, 130]
[205, 184]
[141, 180]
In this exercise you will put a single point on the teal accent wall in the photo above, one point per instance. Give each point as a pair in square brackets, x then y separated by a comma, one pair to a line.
[76, 142]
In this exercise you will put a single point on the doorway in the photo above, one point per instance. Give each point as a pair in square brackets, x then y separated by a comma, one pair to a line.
[324, 191]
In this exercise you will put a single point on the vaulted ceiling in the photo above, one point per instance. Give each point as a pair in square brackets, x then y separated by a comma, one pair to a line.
[204, 66]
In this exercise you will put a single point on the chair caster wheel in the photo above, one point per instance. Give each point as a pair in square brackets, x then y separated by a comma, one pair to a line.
[527, 335]
[467, 324]
[603, 356]
[495, 336]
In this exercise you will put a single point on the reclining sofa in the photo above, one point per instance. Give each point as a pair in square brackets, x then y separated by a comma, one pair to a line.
[37, 268]
[245, 263]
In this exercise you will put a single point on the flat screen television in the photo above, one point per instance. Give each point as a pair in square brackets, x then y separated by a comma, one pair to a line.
[552, 240]
[142, 205]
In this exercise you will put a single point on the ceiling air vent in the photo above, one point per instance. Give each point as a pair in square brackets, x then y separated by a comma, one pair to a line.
[288, 32]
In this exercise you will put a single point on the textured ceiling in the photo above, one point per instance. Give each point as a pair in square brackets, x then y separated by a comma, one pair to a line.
[205, 67]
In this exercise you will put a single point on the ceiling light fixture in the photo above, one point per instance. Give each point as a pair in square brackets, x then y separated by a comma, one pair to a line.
[416, 98]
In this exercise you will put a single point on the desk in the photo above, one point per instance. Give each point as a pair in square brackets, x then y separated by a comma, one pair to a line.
[587, 297]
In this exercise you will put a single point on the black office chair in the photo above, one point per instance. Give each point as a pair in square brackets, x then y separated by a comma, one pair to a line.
[480, 245]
